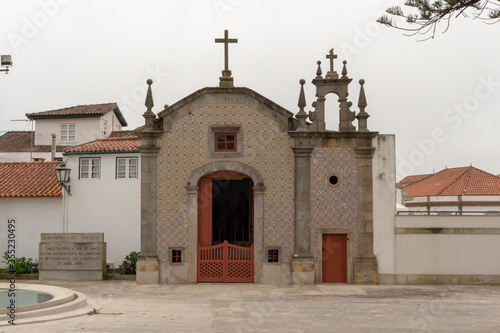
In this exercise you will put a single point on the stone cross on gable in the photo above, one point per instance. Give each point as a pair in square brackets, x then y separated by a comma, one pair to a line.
[331, 73]
[226, 40]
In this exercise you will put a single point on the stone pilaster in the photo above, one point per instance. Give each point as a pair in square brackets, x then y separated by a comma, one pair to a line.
[259, 255]
[302, 267]
[192, 231]
[365, 262]
[148, 266]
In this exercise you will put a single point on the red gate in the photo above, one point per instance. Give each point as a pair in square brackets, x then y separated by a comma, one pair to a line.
[225, 263]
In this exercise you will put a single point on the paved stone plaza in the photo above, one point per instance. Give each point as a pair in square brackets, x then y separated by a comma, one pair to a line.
[127, 307]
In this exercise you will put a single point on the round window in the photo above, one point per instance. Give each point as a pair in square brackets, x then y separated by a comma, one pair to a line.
[333, 180]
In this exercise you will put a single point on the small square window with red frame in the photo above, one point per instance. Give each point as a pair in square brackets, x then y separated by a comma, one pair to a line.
[225, 142]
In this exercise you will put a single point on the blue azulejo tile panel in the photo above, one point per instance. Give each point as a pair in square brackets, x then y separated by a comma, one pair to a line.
[334, 206]
[185, 148]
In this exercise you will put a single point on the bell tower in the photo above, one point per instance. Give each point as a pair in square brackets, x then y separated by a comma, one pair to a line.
[314, 146]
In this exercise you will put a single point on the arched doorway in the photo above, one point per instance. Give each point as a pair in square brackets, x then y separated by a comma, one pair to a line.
[225, 228]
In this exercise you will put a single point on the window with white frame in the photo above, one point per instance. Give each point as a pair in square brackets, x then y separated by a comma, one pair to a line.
[104, 127]
[90, 168]
[126, 167]
[67, 132]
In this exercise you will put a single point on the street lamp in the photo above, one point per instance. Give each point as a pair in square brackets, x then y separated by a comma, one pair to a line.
[62, 175]
[6, 61]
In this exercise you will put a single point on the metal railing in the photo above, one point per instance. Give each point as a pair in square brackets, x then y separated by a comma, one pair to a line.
[447, 212]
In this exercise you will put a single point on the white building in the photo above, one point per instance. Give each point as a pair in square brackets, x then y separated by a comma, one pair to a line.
[71, 126]
[105, 192]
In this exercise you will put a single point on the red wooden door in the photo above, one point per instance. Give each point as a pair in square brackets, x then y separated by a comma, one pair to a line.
[334, 258]
[205, 211]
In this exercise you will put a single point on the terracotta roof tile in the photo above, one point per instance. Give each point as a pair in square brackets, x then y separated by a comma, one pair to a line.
[121, 134]
[21, 141]
[29, 179]
[411, 179]
[456, 181]
[116, 144]
[92, 110]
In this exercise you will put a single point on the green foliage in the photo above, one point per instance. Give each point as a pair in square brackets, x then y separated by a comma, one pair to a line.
[426, 15]
[19, 265]
[128, 265]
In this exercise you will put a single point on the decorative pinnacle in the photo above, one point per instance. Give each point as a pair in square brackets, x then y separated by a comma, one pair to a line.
[318, 72]
[149, 115]
[362, 98]
[302, 98]
[302, 115]
[344, 70]
[362, 115]
[149, 97]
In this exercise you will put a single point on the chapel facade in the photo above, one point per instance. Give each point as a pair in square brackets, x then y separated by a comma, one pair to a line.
[235, 188]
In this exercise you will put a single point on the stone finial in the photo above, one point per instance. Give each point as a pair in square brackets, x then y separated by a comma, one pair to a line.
[302, 98]
[319, 72]
[149, 115]
[344, 70]
[362, 115]
[149, 96]
[302, 115]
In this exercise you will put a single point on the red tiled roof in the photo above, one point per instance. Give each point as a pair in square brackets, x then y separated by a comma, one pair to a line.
[117, 144]
[456, 181]
[121, 134]
[22, 141]
[410, 180]
[29, 179]
[93, 109]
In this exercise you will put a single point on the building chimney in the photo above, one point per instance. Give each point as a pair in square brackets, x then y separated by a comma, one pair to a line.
[53, 155]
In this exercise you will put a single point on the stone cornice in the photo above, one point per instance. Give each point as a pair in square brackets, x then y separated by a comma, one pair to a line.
[364, 152]
[302, 151]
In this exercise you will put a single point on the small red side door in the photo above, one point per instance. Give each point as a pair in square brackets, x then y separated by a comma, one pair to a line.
[334, 258]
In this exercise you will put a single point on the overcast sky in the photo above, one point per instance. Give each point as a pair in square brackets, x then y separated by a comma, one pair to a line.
[440, 97]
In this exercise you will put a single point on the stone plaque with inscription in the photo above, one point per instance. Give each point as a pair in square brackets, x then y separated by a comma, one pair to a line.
[72, 256]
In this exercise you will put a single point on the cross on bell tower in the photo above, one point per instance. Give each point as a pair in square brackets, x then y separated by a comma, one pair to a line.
[226, 81]
[331, 74]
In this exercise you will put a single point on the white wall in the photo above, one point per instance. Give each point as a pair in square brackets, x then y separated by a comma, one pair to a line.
[460, 245]
[86, 130]
[112, 121]
[106, 205]
[384, 201]
[25, 157]
[33, 216]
